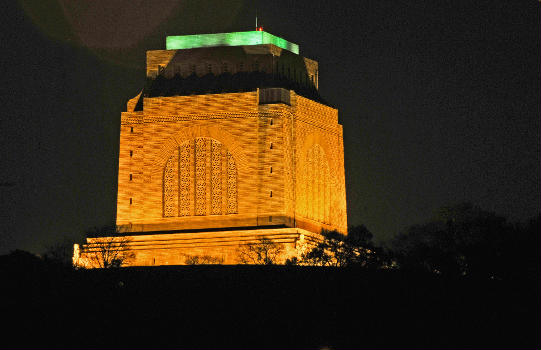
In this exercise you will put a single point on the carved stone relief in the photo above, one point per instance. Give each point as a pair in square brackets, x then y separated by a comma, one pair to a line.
[193, 173]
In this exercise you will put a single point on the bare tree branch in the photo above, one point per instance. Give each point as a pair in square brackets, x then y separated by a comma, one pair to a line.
[264, 252]
[105, 248]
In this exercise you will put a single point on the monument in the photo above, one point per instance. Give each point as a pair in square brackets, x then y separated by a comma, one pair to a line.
[228, 142]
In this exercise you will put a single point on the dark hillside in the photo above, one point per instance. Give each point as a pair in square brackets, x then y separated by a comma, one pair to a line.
[49, 306]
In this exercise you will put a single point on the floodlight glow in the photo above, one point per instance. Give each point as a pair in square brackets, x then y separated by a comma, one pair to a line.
[180, 42]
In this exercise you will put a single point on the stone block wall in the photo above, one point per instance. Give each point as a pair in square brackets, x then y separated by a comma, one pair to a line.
[287, 163]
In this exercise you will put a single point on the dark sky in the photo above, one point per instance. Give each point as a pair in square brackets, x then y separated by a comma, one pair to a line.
[440, 102]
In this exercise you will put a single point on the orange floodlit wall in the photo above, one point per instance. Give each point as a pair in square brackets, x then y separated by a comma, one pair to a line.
[225, 160]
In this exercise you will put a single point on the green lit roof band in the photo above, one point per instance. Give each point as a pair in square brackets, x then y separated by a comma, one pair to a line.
[180, 42]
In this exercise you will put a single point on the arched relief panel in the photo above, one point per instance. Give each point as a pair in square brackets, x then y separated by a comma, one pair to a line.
[329, 150]
[199, 179]
[322, 141]
[317, 178]
[315, 185]
[232, 172]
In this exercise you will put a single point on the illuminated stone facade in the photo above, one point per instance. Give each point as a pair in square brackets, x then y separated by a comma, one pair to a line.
[201, 174]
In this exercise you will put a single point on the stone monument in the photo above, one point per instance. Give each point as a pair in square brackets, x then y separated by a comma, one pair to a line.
[228, 142]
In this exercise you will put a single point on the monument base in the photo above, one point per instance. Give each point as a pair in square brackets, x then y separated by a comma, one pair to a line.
[182, 248]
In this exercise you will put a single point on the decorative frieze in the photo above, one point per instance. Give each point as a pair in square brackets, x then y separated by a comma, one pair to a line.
[200, 176]
[185, 177]
[232, 207]
[216, 178]
[188, 182]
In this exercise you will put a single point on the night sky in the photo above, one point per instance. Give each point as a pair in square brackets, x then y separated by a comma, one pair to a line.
[440, 102]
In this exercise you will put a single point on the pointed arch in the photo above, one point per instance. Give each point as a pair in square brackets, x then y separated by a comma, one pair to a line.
[193, 132]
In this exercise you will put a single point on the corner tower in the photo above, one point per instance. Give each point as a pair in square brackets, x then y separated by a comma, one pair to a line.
[229, 141]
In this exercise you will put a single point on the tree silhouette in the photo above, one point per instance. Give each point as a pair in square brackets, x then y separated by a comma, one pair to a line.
[106, 247]
[355, 249]
[465, 240]
[203, 260]
[263, 252]
[60, 251]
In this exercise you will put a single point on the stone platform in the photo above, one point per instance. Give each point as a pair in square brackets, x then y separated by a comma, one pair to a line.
[180, 248]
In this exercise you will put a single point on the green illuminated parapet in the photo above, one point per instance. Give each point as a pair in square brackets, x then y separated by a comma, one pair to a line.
[179, 42]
